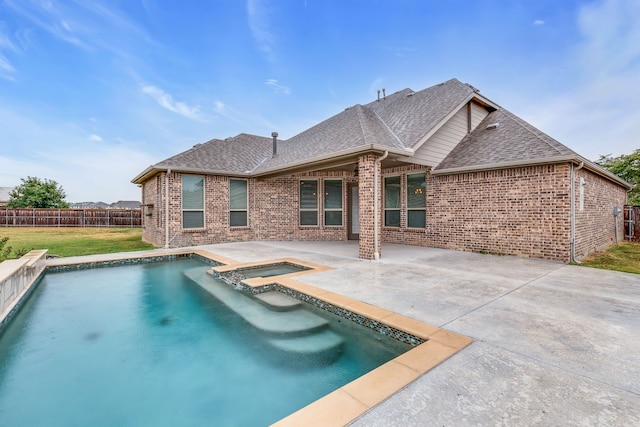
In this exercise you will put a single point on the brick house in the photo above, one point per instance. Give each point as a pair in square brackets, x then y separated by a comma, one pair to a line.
[443, 167]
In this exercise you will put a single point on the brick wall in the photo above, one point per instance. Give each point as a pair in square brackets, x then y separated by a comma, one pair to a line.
[273, 211]
[152, 211]
[595, 223]
[366, 171]
[520, 211]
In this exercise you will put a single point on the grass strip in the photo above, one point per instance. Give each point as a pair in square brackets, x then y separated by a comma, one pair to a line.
[624, 256]
[71, 241]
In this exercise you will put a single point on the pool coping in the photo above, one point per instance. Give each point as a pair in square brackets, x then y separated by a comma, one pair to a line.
[349, 402]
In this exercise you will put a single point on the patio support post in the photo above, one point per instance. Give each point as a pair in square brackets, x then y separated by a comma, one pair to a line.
[367, 173]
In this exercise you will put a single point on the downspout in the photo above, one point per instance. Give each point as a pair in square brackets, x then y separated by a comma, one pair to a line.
[376, 211]
[166, 212]
[572, 213]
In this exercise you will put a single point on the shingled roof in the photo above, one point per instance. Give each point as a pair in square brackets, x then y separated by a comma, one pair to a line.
[412, 115]
[398, 123]
[502, 138]
[240, 154]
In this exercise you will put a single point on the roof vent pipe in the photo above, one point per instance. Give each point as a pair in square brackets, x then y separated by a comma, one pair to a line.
[384, 95]
[275, 142]
[378, 94]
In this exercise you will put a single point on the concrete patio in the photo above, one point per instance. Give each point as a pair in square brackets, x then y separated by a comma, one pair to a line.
[555, 344]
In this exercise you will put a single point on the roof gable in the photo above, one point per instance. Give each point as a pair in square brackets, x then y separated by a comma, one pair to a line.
[512, 140]
[413, 115]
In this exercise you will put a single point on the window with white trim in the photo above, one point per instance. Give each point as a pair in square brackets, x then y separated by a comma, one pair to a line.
[392, 201]
[192, 201]
[308, 202]
[238, 202]
[416, 200]
[333, 202]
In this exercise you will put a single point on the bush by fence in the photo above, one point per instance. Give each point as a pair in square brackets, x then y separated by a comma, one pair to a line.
[125, 218]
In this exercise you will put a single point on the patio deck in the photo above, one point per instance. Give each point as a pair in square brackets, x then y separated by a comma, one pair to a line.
[554, 344]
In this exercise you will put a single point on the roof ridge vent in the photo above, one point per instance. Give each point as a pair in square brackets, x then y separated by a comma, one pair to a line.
[410, 94]
[493, 126]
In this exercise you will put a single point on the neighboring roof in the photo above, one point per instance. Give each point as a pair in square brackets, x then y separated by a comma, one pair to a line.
[399, 124]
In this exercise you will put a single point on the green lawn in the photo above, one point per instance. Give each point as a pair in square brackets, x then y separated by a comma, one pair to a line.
[624, 256]
[64, 242]
[68, 241]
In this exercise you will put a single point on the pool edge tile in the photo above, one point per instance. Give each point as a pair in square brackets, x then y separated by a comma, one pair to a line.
[381, 383]
[451, 339]
[337, 408]
[426, 356]
[412, 326]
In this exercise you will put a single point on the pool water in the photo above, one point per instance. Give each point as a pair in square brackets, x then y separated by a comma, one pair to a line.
[270, 270]
[142, 345]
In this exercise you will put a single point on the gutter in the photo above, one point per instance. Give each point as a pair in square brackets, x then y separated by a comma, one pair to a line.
[572, 212]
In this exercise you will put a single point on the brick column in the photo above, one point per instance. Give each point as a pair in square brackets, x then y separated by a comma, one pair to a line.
[366, 168]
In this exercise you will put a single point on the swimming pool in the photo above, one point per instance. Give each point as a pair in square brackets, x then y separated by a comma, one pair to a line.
[146, 345]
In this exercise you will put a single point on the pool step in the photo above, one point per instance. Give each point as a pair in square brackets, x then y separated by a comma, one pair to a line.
[286, 323]
[277, 301]
[325, 342]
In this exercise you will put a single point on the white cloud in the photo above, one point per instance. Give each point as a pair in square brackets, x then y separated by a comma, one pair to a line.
[103, 173]
[402, 50]
[88, 25]
[538, 22]
[277, 87]
[7, 70]
[166, 100]
[598, 113]
[222, 109]
[98, 171]
[238, 116]
[259, 16]
[95, 138]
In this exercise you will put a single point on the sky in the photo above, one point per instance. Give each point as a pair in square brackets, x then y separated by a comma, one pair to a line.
[93, 92]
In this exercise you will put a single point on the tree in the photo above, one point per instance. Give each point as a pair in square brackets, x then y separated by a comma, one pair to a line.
[627, 167]
[37, 193]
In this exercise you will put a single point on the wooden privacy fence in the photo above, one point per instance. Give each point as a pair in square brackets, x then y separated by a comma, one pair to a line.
[632, 223]
[29, 217]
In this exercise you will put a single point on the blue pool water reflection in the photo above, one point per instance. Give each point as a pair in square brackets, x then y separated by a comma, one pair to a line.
[143, 345]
